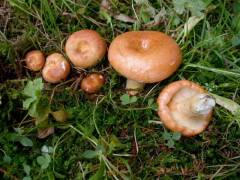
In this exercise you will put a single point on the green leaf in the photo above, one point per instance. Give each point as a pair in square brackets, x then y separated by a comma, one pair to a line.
[25, 141]
[26, 168]
[28, 102]
[40, 110]
[236, 39]
[196, 7]
[89, 154]
[27, 178]
[33, 88]
[125, 99]
[179, 6]
[167, 135]
[133, 99]
[176, 136]
[150, 101]
[170, 143]
[7, 159]
[44, 161]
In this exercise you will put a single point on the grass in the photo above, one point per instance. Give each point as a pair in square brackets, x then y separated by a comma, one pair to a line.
[103, 138]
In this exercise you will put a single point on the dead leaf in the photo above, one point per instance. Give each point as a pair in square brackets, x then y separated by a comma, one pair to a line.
[105, 5]
[124, 18]
[45, 132]
[60, 115]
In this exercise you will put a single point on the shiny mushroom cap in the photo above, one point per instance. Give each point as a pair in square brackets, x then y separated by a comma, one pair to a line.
[56, 68]
[35, 60]
[185, 107]
[92, 83]
[144, 56]
[85, 48]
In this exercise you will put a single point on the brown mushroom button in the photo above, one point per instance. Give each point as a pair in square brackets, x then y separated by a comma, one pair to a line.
[185, 107]
[92, 83]
[35, 60]
[56, 68]
[144, 56]
[85, 48]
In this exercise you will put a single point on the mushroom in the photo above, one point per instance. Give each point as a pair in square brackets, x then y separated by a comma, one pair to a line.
[92, 83]
[56, 68]
[144, 57]
[35, 60]
[85, 48]
[185, 107]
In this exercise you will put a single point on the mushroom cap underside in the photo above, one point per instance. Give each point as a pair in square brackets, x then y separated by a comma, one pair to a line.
[179, 119]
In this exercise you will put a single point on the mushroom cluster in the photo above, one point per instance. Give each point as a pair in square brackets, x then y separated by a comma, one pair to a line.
[140, 56]
[84, 48]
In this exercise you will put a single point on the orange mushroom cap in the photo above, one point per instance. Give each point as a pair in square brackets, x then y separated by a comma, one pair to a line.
[85, 48]
[56, 68]
[35, 60]
[176, 102]
[144, 56]
[92, 83]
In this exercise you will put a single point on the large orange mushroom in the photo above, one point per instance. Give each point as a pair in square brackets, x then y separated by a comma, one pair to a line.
[56, 68]
[144, 57]
[185, 107]
[85, 48]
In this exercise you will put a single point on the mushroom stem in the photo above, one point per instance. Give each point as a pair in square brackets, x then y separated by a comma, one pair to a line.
[201, 104]
[133, 87]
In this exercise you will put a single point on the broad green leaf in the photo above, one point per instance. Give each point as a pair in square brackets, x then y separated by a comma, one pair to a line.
[28, 102]
[26, 168]
[196, 7]
[170, 143]
[33, 88]
[25, 141]
[133, 99]
[125, 99]
[167, 135]
[89, 154]
[150, 101]
[179, 6]
[40, 110]
[7, 159]
[236, 39]
[27, 178]
[44, 161]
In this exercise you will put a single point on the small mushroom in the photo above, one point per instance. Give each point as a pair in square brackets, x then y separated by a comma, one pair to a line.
[85, 48]
[92, 83]
[35, 60]
[144, 57]
[56, 68]
[185, 107]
